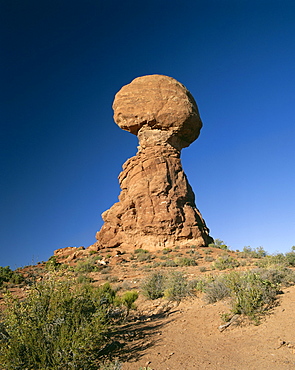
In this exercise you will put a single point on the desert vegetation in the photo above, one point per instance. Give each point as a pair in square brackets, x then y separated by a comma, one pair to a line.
[63, 315]
[9, 276]
[60, 324]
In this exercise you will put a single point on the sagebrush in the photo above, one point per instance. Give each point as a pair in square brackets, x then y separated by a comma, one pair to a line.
[61, 324]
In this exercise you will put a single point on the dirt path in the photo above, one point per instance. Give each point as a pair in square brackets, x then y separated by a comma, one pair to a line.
[188, 338]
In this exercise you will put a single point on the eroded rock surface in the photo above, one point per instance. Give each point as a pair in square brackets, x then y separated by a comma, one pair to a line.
[156, 207]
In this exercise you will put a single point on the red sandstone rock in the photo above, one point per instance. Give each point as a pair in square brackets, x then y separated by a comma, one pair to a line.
[156, 207]
[68, 254]
[161, 107]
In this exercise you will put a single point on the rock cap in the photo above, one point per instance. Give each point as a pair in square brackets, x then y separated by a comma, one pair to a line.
[155, 103]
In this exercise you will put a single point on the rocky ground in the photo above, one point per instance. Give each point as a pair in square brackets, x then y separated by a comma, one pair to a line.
[162, 335]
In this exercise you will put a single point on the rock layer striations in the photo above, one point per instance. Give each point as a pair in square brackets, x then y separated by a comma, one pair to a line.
[156, 207]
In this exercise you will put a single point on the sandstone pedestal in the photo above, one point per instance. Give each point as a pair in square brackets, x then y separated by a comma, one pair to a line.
[156, 207]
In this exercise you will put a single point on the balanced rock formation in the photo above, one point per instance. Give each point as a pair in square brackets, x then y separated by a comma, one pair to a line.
[156, 207]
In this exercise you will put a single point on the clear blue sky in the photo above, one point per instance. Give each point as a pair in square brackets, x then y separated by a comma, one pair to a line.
[62, 63]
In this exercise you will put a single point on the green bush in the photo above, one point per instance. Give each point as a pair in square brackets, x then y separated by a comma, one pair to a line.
[7, 275]
[250, 293]
[59, 325]
[141, 251]
[185, 261]
[142, 255]
[173, 286]
[52, 264]
[128, 299]
[225, 262]
[278, 260]
[88, 264]
[280, 276]
[153, 286]
[253, 253]
[218, 244]
[176, 287]
[169, 263]
[83, 278]
[290, 257]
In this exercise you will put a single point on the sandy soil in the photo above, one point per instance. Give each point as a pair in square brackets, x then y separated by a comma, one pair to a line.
[188, 338]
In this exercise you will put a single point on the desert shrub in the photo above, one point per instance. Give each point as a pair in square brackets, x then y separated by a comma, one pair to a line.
[142, 255]
[52, 264]
[202, 269]
[128, 299]
[146, 267]
[190, 251]
[59, 325]
[198, 285]
[290, 257]
[167, 250]
[194, 253]
[176, 287]
[250, 293]
[169, 263]
[173, 286]
[253, 252]
[218, 244]
[141, 250]
[185, 261]
[225, 262]
[209, 259]
[82, 279]
[112, 278]
[16, 278]
[8, 275]
[278, 260]
[153, 286]
[280, 276]
[104, 269]
[216, 291]
[259, 252]
[5, 274]
[88, 264]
